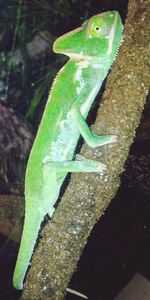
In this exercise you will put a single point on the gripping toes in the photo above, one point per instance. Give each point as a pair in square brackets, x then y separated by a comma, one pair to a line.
[101, 168]
[113, 139]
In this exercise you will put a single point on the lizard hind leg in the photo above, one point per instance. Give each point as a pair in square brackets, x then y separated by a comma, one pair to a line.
[54, 173]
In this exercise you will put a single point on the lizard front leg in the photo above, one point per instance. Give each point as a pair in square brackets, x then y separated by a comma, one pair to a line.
[91, 139]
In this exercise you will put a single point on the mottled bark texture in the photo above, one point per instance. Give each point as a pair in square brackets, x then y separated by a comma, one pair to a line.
[88, 195]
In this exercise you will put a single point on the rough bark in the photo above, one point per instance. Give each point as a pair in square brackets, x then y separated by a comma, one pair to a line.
[88, 195]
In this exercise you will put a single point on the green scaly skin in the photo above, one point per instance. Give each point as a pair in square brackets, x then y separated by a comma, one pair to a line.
[92, 49]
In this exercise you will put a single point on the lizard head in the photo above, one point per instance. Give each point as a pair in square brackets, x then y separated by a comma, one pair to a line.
[97, 38]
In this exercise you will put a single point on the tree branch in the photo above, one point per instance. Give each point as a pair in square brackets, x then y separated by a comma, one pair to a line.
[88, 195]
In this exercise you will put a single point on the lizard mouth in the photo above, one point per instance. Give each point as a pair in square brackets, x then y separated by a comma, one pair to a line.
[60, 46]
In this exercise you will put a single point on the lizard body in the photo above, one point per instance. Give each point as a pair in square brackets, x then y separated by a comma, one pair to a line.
[91, 49]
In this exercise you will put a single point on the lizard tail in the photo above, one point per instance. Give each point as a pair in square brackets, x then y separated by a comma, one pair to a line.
[28, 241]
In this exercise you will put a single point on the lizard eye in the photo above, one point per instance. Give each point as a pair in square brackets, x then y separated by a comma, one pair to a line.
[97, 28]
[94, 28]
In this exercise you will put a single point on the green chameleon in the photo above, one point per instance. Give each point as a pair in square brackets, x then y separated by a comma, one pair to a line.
[92, 49]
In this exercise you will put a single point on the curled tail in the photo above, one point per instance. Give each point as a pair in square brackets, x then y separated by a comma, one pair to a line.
[29, 237]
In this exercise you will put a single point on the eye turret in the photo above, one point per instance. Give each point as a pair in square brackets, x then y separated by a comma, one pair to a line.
[97, 29]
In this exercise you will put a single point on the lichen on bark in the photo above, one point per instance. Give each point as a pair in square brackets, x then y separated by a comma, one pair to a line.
[88, 195]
